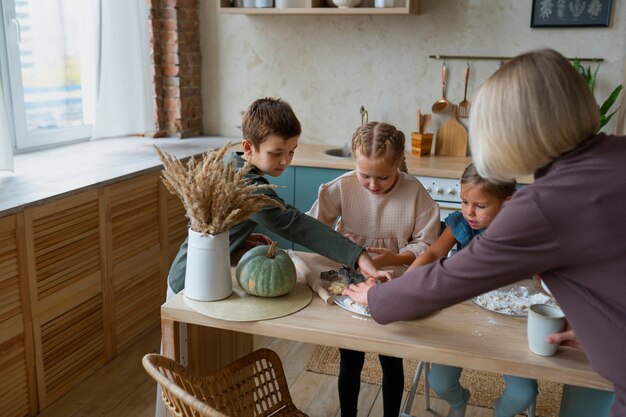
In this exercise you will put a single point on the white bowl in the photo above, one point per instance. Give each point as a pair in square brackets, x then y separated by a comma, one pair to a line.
[346, 3]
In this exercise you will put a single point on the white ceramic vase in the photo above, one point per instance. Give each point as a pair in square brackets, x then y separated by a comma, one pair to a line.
[207, 277]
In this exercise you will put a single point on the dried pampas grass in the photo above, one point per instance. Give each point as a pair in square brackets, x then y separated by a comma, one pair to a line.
[214, 195]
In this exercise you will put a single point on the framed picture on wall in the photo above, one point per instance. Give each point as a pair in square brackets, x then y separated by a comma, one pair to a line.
[570, 13]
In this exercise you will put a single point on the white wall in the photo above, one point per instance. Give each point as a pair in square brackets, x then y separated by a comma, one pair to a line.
[328, 66]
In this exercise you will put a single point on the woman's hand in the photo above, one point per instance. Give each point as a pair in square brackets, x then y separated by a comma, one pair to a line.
[565, 338]
[369, 269]
[358, 292]
[382, 256]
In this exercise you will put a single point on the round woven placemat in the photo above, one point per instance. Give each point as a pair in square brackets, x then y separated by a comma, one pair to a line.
[244, 307]
[484, 386]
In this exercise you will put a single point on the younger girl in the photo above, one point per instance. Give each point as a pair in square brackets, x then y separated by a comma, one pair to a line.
[481, 200]
[390, 213]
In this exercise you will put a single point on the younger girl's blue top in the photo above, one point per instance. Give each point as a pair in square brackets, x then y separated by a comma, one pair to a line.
[461, 230]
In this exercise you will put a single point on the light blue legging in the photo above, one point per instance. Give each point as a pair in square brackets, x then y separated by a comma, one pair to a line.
[518, 394]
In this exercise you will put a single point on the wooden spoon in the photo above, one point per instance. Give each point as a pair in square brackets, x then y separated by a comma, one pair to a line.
[442, 104]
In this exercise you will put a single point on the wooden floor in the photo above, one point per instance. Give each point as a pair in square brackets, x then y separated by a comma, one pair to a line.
[122, 388]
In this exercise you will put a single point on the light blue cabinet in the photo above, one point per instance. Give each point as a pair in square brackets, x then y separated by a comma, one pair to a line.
[298, 187]
[307, 184]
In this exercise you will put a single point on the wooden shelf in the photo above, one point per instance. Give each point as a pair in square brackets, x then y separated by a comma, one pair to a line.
[319, 7]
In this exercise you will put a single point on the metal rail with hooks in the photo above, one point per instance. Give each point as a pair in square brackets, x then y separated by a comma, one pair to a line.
[498, 58]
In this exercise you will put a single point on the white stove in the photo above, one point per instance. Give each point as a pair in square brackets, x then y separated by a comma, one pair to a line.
[445, 191]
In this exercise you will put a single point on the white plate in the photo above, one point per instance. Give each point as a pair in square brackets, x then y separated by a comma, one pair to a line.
[347, 304]
[514, 299]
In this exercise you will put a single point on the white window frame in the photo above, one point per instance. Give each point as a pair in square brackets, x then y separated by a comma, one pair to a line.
[14, 95]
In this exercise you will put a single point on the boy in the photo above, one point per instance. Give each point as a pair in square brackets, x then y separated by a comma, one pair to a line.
[270, 136]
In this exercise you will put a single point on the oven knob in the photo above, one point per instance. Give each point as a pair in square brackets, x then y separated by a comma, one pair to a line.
[451, 191]
[429, 189]
[439, 190]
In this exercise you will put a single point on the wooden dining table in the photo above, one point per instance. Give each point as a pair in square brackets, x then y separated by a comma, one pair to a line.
[464, 335]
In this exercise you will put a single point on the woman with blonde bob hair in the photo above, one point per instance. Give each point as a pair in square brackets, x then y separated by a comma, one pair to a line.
[536, 115]
[528, 114]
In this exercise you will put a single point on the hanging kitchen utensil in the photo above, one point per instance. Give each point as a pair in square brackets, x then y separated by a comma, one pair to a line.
[464, 106]
[451, 139]
[442, 104]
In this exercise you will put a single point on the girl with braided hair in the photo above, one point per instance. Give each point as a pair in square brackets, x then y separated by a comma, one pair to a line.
[383, 208]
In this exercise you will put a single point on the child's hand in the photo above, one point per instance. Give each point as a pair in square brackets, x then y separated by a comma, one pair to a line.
[382, 256]
[369, 269]
[358, 292]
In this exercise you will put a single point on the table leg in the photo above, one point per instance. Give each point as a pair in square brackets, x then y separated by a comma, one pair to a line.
[210, 349]
[168, 338]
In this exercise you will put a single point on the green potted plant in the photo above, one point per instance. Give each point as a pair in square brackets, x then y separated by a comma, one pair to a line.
[590, 79]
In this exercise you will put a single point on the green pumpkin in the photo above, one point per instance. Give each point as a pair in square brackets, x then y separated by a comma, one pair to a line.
[266, 271]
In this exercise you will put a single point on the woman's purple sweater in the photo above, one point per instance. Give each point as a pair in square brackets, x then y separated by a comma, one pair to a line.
[570, 227]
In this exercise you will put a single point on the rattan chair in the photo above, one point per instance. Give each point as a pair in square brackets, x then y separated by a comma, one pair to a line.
[253, 386]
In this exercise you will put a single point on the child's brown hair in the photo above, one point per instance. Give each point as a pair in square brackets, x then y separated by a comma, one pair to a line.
[500, 190]
[267, 116]
[379, 140]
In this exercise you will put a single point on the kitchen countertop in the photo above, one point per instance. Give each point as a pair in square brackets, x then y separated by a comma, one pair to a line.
[310, 155]
[313, 155]
[46, 175]
[43, 176]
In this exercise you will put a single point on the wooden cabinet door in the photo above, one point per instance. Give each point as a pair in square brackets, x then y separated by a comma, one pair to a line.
[18, 393]
[133, 258]
[65, 284]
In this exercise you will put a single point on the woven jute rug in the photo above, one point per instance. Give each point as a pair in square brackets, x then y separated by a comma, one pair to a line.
[484, 386]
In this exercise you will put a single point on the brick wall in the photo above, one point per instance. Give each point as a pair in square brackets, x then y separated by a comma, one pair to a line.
[175, 41]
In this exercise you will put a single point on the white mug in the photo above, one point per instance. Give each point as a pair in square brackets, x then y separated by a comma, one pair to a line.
[543, 320]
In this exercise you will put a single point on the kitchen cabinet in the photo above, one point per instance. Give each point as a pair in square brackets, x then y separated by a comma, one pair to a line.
[133, 259]
[18, 393]
[320, 7]
[65, 279]
[299, 187]
[307, 184]
[82, 277]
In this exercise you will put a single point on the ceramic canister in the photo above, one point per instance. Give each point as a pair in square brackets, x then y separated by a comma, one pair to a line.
[286, 4]
[264, 3]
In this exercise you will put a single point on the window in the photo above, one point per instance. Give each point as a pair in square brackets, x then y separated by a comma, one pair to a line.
[48, 69]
